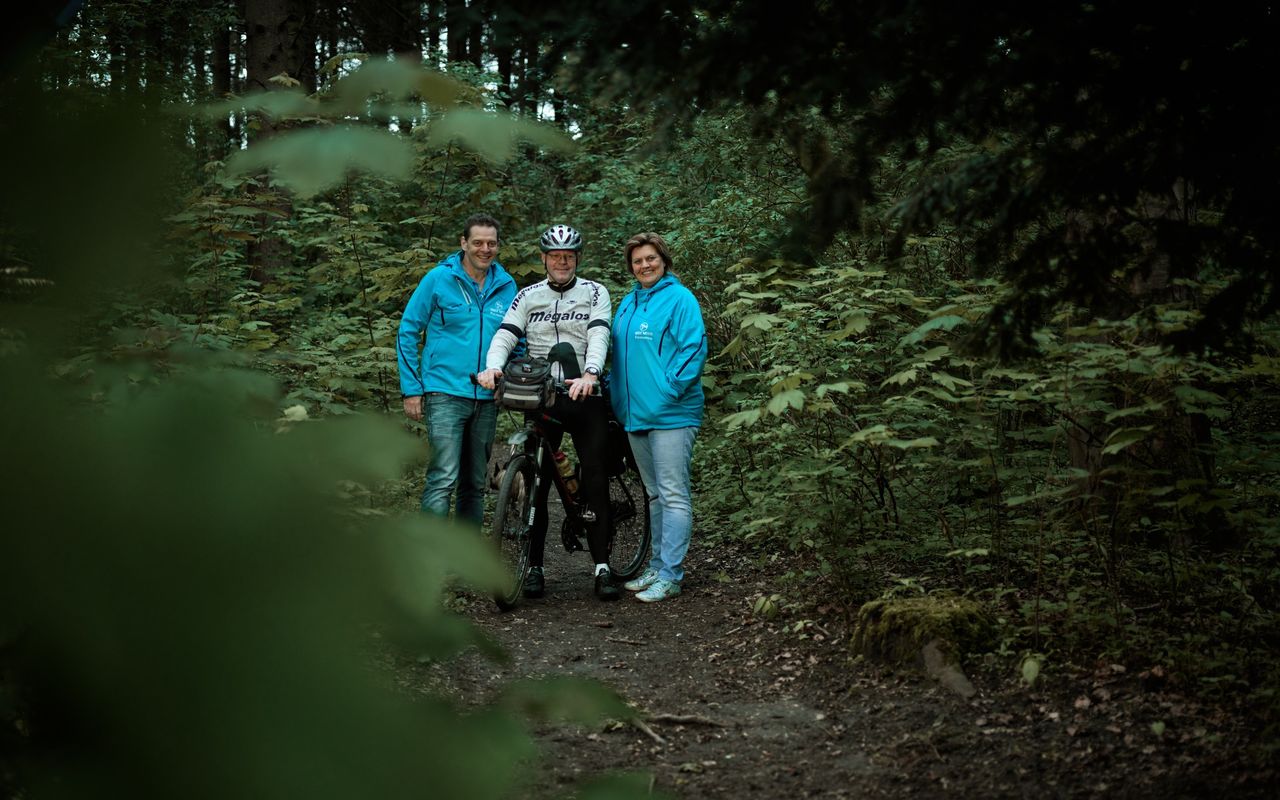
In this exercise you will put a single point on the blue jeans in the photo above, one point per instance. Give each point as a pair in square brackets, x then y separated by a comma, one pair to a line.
[663, 458]
[461, 435]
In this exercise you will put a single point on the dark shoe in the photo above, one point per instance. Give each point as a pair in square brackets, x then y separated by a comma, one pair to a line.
[606, 588]
[534, 584]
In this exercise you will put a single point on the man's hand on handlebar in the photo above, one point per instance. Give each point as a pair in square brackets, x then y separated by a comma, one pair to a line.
[489, 378]
[581, 388]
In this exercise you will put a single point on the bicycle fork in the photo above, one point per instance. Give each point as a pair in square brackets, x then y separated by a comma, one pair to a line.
[537, 481]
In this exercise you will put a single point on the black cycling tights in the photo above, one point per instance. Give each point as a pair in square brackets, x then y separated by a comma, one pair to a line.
[588, 422]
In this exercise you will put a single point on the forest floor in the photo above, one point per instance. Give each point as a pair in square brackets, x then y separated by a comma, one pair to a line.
[739, 706]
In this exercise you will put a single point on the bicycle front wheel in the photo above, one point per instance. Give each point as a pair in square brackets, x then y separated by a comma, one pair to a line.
[629, 504]
[510, 528]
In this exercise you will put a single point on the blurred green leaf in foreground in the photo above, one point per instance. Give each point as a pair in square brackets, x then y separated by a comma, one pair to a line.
[191, 604]
[188, 604]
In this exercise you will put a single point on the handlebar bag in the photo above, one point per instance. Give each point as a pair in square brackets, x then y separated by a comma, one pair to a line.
[526, 385]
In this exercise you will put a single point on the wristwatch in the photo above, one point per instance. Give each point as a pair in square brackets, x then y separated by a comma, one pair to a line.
[593, 371]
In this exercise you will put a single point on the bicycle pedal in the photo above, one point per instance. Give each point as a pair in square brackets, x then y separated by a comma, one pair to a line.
[571, 543]
[570, 537]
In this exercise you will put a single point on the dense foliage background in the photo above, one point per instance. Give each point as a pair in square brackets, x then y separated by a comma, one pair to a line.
[991, 301]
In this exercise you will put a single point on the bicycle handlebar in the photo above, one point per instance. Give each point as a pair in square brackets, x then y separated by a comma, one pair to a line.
[597, 389]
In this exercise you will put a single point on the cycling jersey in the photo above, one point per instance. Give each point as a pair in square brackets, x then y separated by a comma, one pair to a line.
[545, 316]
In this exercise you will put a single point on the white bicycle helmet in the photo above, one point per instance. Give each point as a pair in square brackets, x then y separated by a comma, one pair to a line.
[560, 237]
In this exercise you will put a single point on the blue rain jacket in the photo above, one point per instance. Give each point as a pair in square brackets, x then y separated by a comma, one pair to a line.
[458, 321]
[659, 349]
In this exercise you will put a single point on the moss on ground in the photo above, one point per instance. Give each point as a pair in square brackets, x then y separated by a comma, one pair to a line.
[895, 630]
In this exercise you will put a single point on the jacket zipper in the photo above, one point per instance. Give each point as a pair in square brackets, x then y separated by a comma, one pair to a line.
[475, 390]
[626, 358]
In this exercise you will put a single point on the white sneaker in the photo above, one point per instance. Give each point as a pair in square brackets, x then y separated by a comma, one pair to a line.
[649, 578]
[660, 590]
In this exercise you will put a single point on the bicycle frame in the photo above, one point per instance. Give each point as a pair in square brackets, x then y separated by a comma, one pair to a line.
[534, 440]
[628, 505]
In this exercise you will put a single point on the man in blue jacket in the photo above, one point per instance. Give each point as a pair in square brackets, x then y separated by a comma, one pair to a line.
[445, 333]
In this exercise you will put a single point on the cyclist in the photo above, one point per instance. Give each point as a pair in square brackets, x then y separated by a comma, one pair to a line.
[566, 309]
[444, 332]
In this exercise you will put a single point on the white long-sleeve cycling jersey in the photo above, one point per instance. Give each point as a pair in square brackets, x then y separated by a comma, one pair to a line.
[545, 316]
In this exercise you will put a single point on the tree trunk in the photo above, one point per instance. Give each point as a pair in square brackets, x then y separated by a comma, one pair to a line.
[529, 88]
[506, 27]
[222, 87]
[200, 77]
[272, 49]
[475, 32]
[406, 43]
[324, 35]
[306, 46]
[406, 33]
[456, 29]
[505, 56]
[155, 64]
[274, 45]
[559, 110]
[184, 49]
[115, 57]
[433, 8]
[371, 22]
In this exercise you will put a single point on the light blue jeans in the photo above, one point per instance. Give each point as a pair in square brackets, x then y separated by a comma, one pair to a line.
[461, 435]
[663, 458]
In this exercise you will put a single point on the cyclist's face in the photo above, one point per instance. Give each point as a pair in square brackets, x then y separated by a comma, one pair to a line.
[560, 264]
[647, 265]
[480, 248]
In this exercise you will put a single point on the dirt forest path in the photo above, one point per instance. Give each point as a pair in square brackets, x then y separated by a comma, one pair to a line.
[749, 708]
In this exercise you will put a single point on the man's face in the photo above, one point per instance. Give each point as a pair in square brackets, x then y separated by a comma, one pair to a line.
[479, 251]
[560, 264]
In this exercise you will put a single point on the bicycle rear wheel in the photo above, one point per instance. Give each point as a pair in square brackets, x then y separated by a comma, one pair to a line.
[510, 527]
[629, 547]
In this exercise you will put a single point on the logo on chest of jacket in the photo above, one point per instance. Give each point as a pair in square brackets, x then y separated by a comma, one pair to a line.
[643, 333]
[562, 316]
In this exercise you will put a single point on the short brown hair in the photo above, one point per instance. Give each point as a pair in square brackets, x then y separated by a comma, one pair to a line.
[652, 239]
[480, 221]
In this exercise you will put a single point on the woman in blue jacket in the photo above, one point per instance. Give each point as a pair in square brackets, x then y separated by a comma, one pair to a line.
[659, 349]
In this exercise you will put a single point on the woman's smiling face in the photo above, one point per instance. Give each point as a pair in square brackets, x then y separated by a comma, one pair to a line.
[647, 265]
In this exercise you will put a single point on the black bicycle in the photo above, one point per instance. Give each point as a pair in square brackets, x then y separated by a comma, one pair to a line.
[518, 480]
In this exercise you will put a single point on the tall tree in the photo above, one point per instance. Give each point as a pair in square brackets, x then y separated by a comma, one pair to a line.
[274, 47]
[457, 31]
[528, 89]
[434, 18]
[392, 26]
[509, 37]
[222, 80]
[274, 53]
[307, 46]
[476, 13]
